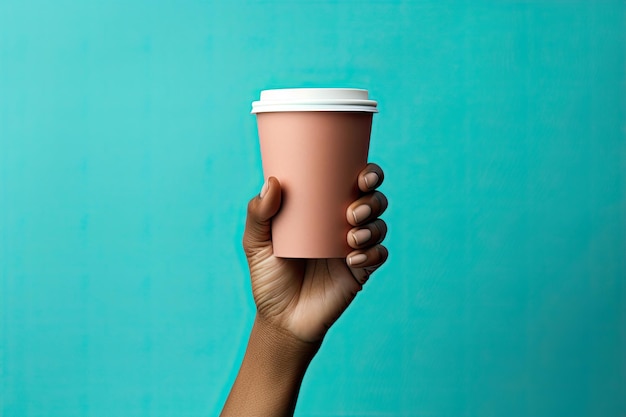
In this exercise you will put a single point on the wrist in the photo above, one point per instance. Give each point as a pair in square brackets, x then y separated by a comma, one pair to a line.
[284, 349]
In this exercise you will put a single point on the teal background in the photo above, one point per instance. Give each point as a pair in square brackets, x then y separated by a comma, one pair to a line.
[127, 157]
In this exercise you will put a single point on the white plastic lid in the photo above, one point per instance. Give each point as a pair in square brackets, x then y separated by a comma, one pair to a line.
[314, 99]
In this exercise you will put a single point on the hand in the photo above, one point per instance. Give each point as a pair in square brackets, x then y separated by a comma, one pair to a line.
[306, 296]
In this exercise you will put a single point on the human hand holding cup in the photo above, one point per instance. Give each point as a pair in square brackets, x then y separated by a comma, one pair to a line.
[312, 236]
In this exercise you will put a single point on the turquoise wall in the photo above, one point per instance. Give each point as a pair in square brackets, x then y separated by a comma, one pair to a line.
[127, 157]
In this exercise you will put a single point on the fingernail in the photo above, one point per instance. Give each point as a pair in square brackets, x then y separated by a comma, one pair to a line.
[361, 236]
[355, 260]
[361, 213]
[264, 190]
[371, 179]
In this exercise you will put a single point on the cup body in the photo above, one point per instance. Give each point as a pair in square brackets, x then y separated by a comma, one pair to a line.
[316, 155]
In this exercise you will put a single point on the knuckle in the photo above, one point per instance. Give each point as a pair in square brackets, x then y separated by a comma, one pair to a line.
[382, 200]
[381, 226]
[381, 229]
[251, 206]
[383, 252]
[373, 166]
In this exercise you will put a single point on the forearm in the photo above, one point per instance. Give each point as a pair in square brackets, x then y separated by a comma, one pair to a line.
[271, 373]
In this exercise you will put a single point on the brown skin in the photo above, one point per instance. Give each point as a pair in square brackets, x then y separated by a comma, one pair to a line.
[299, 299]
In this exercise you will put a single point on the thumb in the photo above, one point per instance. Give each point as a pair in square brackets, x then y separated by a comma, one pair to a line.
[261, 209]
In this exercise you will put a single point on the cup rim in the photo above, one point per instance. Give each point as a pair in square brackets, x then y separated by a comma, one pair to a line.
[314, 99]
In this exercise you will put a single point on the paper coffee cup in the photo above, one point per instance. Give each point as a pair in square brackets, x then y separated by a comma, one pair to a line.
[315, 141]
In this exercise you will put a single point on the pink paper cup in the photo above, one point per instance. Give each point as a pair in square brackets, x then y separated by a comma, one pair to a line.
[315, 142]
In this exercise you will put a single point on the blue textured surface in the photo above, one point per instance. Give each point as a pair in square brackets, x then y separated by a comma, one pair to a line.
[127, 156]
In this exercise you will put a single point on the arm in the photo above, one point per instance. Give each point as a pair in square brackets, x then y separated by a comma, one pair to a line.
[271, 373]
[299, 299]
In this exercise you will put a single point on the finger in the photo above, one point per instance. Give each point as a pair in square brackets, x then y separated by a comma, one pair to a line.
[367, 235]
[370, 177]
[363, 267]
[374, 256]
[260, 211]
[366, 208]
